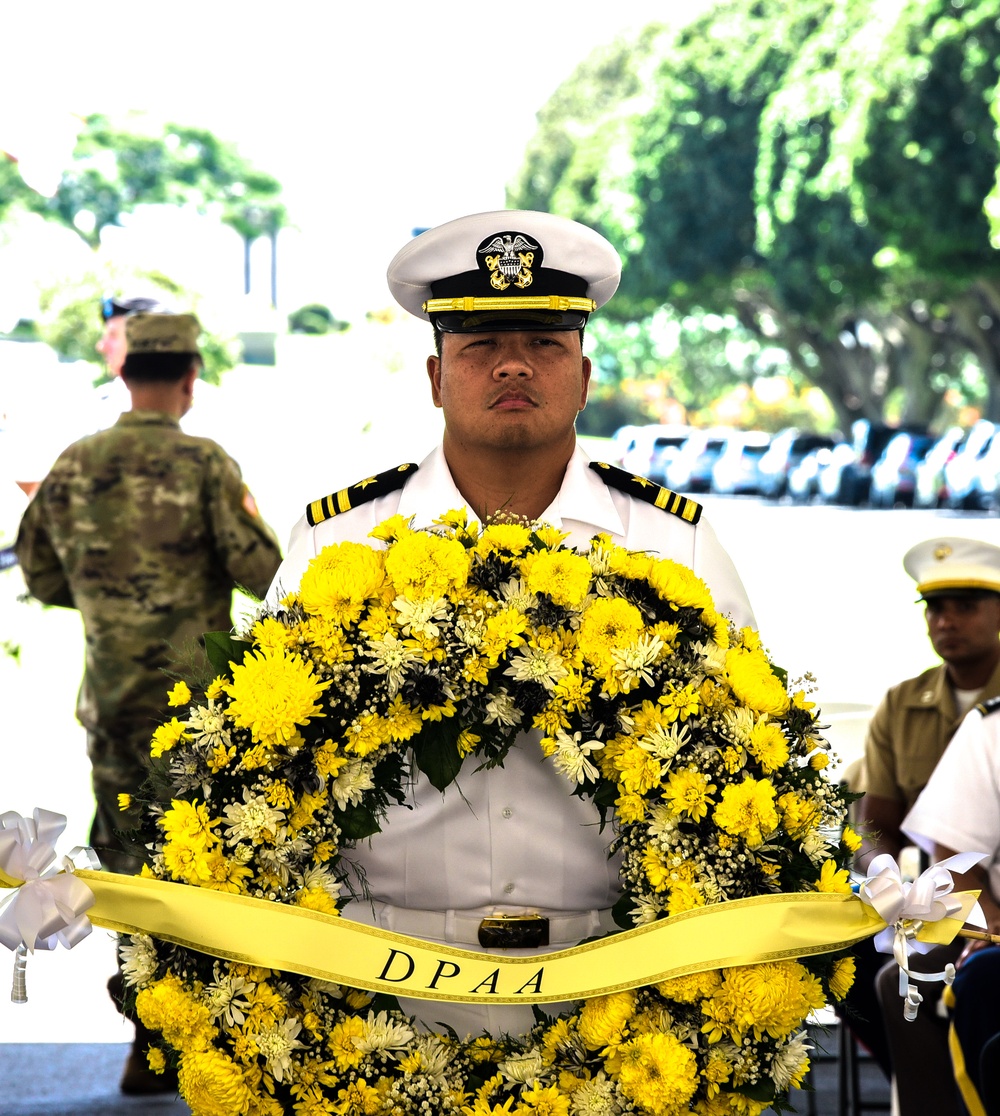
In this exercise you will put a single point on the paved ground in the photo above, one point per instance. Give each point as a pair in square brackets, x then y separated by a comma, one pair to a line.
[81, 1079]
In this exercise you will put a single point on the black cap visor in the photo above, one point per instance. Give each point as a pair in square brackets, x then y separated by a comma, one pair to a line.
[490, 321]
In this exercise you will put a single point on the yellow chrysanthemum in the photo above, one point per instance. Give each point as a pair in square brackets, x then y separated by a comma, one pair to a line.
[269, 634]
[638, 771]
[799, 815]
[166, 736]
[630, 808]
[842, 977]
[503, 538]
[543, 1100]
[340, 580]
[272, 694]
[316, 899]
[608, 624]
[212, 1084]
[167, 1006]
[341, 1044]
[679, 584]
[658, 1072]
[754, 683]
[833, 879]
[156, 1060]
[850, 839]
[359, 1099]
[768, 744]
[747, 810]
[216, 688]
[681, 703]
[124, 801]
[772, 998]
[819, 760]
[690, 989]
[423, 565]
[179, 694]
[504, 631]
[605, 1019]
[562, 575]
[689, 792]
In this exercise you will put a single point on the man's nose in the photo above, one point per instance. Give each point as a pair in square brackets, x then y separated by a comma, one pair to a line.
[512, 360]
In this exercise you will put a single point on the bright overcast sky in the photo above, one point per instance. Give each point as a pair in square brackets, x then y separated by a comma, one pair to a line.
[375, 117]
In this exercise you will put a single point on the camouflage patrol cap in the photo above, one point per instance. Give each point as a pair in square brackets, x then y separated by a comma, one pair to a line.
[162, 333]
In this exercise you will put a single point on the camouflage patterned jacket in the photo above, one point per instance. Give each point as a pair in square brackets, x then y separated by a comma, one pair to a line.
[146, 530]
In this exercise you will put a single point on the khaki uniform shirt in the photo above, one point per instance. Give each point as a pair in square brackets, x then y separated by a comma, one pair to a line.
[146, 530]
[909, 732]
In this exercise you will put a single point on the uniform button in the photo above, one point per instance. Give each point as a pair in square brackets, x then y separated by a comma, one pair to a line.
[508, 888]
[507, 812]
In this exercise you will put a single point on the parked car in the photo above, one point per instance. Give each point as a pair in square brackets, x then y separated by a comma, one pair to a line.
[690, 470]
[929, 485]
[649, 449]
[846, 479]
[804, 478]
[962, 466]
[737, 469]
[893, 475]
[622, 439]
[784, 453]
[984, 488]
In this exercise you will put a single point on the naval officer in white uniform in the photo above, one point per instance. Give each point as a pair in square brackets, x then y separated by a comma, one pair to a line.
[508, 294]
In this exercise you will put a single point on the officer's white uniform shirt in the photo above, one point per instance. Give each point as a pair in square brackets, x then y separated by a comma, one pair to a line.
[511, 839]
[960, 806]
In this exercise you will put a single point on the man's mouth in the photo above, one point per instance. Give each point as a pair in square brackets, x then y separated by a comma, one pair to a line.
[512, 401]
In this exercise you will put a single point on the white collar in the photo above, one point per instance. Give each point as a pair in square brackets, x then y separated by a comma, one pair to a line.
[582, 497]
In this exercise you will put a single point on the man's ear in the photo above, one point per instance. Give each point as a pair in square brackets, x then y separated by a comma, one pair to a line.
[434, 375]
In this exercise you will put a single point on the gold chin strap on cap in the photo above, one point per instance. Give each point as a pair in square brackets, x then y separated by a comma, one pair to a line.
[533, 302]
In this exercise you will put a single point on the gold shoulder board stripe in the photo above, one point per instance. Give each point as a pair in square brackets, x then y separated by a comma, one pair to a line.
[990, 706]
[361, 493]
[643, 489]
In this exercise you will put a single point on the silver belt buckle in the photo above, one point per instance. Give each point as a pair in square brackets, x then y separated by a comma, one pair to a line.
[506, 931]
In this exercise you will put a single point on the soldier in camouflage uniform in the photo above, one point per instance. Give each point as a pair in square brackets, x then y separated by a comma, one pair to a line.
[146, 530]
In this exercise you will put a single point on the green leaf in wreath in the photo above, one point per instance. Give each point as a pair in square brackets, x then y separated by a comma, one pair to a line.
[437, 752]
[223, 648]
[356, 822]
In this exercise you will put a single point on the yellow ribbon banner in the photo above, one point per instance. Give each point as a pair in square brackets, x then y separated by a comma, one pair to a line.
[277, 936]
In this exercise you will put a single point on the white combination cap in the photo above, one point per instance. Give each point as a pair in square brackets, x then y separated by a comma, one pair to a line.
[953, 567]
[510, 269]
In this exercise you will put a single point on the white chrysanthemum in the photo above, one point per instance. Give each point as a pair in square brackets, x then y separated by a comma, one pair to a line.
[599, 558]
[392, 657]
[436, 1056]
[250, 819]
[789, 1061]
[354, 779]
[320, 876]
[816, 846]
[225, 998]
[711, 658]
[570, 757]
[537, 664]
[382, 1033]
[138, 959]
[525, 1069]
[594, 1098]
[739, 725]
[664, 741]
[276, 1044]
[662, 823]
[515, 594]
[501, 708]
[325, 988]
[644, 912]
[418, 617]
[207, 725]
[632, 663]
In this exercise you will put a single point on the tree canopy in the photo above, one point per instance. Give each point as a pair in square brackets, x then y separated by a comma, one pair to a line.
[823, 174]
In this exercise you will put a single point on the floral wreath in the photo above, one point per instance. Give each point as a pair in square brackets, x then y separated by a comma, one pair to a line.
[443, 645]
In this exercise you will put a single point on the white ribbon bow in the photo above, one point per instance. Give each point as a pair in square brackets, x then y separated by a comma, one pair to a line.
[48, 908]
[906, 906]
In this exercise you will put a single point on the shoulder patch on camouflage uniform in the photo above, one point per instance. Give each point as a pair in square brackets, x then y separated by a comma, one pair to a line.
[361, 493]
[988, 707]
[643, 489]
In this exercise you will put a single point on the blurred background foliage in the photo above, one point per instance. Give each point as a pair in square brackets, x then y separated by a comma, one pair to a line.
[803, 190]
